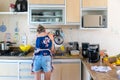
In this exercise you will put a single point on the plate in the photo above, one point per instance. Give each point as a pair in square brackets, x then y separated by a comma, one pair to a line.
[3, 28]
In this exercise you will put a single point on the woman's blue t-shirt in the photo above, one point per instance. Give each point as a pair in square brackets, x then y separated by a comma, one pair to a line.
[44, 43]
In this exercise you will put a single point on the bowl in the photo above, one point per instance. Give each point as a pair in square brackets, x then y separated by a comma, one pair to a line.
[24, 48]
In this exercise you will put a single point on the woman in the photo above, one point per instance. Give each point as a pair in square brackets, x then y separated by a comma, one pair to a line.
[42, 59]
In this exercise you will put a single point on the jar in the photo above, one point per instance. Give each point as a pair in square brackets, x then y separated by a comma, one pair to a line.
[12, 7]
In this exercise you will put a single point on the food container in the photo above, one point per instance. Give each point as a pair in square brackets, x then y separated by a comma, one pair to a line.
[75, 52]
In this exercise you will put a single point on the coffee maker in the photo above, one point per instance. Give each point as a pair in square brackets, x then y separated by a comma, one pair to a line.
[93, 55]
[91, 51]
[85, 47]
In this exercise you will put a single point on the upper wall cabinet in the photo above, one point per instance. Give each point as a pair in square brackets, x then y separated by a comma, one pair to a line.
[46, 14]
[72, 11]
[94, 3]
[4, 5]
[94, 14]
[46, 1]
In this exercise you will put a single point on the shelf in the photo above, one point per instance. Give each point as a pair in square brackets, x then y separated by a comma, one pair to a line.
[12, 13]
[46, 16]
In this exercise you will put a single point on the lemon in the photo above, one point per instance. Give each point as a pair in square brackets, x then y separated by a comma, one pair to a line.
[105, 59]
[118, 62]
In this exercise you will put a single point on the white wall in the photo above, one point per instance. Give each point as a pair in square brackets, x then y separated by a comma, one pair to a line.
[108, 39]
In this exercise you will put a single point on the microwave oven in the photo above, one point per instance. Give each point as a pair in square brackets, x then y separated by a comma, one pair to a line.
[94, 21]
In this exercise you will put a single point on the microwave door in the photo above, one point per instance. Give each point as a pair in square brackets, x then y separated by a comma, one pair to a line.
[92, 20]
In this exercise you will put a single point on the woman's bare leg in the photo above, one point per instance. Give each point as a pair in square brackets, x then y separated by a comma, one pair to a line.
[37, 75]
[47, 75]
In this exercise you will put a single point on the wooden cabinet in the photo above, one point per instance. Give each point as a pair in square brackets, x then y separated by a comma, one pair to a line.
[72, 11]
[4, 5]
[66, 71]
[46, 1]
[94, 3]
[57, 73]
[97, 8]
[71, 7]
[71, 71]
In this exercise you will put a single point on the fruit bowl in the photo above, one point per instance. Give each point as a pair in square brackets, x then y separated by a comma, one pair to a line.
[25, 48]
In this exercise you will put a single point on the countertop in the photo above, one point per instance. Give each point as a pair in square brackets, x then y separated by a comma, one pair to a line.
[110, 75]
[29, 57]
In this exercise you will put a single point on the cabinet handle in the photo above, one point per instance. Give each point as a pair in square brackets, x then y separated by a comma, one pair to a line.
[100, 20]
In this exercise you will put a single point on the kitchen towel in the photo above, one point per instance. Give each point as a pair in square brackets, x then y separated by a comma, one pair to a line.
[101, 68]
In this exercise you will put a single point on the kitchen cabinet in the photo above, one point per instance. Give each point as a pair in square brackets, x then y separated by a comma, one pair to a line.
[46, 1]
[96, 8]
[57, 73]
[66, 71]
[94, 3]
[46, 14]
[70, 71]
[8, 71]
[5, 7]
[72, 11]
[25, 71]
[69, 13]
[85, 74]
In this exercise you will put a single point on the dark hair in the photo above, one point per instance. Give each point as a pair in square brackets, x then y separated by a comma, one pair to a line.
[40, 29]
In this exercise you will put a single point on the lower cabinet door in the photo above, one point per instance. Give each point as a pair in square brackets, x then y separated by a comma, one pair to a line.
[8, 78]
[25, 71]
[56, 74]
[8, 69]
[71, 71]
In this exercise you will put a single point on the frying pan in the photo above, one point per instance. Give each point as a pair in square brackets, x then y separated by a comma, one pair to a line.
[3, 27]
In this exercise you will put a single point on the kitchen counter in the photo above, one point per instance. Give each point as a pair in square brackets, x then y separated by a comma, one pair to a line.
[29, 57]
[20, 67]
[110, 75]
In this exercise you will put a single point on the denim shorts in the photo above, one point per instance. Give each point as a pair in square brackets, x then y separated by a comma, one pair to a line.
[42, 63]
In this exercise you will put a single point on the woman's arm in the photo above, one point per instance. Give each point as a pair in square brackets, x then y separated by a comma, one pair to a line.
[52, 38]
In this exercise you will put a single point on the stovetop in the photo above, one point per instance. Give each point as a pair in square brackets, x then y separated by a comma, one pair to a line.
[12, 53]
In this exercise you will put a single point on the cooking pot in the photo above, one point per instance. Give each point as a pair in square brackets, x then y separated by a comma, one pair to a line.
[5, 45]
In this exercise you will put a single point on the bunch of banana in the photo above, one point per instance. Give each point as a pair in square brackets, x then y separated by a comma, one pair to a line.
[117, 63]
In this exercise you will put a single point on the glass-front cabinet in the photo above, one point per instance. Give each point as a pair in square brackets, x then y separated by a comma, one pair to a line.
[46, 15]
